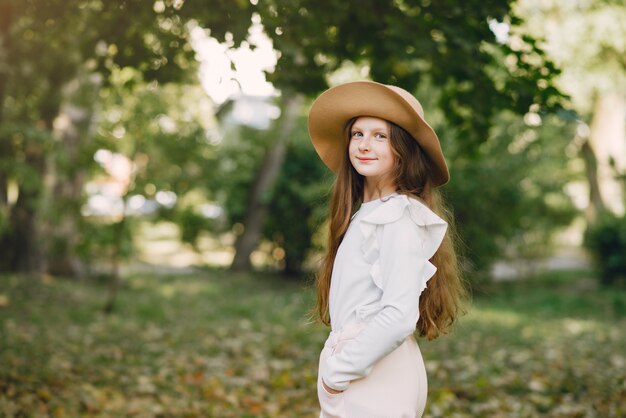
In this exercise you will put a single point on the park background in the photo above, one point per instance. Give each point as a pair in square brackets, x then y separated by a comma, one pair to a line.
[162, 209]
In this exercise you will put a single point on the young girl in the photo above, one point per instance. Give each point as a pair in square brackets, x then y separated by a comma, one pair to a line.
[390, 268]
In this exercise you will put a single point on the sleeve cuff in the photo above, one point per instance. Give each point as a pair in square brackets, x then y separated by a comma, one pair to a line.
[332, 387]
[330, 382]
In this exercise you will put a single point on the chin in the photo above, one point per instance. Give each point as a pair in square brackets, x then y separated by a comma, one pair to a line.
[368, 173]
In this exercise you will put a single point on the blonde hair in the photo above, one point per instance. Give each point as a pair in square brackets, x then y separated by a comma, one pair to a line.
[444, 297]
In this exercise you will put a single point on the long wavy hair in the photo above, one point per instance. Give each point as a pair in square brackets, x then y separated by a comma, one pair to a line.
[444, 297]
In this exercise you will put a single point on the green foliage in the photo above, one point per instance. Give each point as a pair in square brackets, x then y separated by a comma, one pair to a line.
[105, 241]
[240, 154]
[137, 46]
[23, 148]
[46, 47]
[586, 40]
[508, 197]
[443, 46]
[406, 42]
[161, 130]
[299, 201]
[40, 55]
[23, 152]
[606, 239]
[191, 224]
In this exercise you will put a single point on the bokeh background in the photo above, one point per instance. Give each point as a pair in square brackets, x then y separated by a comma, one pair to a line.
[162, 211]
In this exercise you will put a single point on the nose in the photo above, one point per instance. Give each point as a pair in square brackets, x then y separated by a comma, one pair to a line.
[364, 145]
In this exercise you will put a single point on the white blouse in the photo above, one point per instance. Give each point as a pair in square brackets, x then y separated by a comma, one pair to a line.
[380, 270]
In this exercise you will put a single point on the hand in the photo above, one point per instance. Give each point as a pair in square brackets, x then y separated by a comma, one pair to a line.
[330, 390]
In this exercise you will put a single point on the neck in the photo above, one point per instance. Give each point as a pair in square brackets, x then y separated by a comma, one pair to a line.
[376, 191]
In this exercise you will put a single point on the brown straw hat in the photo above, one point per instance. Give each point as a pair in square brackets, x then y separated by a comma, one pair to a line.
[332, 110]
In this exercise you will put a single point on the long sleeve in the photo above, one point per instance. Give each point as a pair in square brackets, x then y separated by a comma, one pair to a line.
[405, 248]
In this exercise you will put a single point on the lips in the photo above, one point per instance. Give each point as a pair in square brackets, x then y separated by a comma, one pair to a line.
[365, 159]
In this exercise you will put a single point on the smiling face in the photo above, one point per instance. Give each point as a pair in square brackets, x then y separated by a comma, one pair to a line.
[370, 150]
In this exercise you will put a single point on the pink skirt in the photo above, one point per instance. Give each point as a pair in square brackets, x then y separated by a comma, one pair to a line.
[395, 388]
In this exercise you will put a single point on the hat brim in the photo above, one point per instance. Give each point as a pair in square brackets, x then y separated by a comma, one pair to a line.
[332, 110]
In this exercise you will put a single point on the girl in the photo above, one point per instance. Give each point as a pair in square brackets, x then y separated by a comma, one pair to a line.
[372, 287]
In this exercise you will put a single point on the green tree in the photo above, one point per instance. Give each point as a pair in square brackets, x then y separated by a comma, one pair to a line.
[400, 42]
[46, 47]
[586, 39]
[161, 131]
[299, 202]
[509, 197]
[407, 43]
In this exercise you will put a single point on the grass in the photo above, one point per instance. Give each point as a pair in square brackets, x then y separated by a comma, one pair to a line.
[219, 344]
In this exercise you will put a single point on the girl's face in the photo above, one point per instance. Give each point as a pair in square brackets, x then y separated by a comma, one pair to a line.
[370, 148]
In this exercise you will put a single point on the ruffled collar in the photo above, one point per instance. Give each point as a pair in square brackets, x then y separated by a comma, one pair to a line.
[432, 226]
[390, 210]
[383, 199]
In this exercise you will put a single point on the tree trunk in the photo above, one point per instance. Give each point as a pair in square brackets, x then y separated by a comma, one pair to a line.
[257, 205]
[116, 259]
[63, 188]
[596, 203]
[4, 198]
[20, 244]
[6, 21]
[293, 265]
[608, 141]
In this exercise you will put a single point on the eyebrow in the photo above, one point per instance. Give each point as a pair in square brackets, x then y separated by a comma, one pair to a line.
[373, 129]
[357, 128]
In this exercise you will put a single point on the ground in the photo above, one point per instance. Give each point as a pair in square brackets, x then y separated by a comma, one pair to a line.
[211, 343]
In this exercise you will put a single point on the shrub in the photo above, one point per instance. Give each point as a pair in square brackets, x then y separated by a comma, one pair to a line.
[606, 239]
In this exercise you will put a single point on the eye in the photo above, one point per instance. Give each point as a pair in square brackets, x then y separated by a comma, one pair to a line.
[380, 136]
[356, 134]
